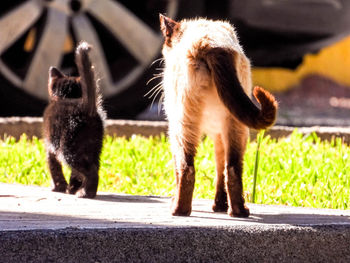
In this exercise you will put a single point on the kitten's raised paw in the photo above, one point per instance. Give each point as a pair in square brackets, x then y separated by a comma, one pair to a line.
[236, 211]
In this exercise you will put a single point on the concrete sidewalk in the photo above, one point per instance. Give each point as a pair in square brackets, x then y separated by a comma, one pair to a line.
[37, 225]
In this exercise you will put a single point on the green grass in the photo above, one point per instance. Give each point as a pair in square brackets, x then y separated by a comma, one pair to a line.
[297, 171]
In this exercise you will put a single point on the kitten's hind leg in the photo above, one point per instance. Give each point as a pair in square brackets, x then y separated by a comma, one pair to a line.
[89, 185]
[220, 201]
[58, 180]
[233, 173]
[75, 182]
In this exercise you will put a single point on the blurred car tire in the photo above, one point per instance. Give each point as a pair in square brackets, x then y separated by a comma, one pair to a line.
[37, 34]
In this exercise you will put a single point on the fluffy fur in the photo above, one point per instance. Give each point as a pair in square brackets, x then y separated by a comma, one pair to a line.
[207, 86]
[73, 127]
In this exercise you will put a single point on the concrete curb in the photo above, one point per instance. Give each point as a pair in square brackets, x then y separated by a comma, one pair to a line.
[37, 225]
[239, 244]
[32, 126]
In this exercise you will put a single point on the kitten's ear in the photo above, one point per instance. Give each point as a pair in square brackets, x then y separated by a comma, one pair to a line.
[55, 73]
[167, 26]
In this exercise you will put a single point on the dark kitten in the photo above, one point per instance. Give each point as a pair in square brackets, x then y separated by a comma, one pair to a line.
[73, 127]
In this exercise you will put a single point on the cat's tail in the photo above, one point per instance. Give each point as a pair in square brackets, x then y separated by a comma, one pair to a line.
[221, 64]
[87, 77]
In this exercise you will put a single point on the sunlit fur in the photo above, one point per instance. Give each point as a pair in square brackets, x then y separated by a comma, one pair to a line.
[207, 88]
[73, 127]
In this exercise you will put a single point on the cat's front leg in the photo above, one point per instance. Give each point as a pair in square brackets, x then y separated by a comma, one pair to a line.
[236, 144]
[236, 206]
[58, 180]
[220, 200]
[233, 182]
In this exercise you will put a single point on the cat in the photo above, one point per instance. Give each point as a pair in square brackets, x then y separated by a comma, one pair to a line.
[207, 86]
[73, 127]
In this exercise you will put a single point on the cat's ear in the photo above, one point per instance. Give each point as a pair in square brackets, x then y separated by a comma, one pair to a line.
[167, 26]
[55, 73]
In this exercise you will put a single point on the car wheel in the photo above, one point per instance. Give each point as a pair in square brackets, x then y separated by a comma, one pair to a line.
[37, 34]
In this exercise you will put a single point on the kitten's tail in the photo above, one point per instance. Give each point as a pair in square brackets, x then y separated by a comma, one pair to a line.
[221, 63]
[87, 77]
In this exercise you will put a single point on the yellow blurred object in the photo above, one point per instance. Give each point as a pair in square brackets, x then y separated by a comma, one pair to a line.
[31, 38]
[332, 62]
[68, 44]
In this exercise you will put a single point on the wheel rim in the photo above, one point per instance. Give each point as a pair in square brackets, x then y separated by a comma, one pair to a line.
[54, 25]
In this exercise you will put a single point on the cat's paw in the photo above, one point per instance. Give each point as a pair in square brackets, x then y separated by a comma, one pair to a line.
[74, 186]
[220, 207]
[71, 190]
[82, 193]
[176, 210]
[181, 212]
[61, 188]
[238, 211]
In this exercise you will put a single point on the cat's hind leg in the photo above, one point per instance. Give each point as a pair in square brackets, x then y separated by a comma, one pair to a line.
[185, 179]
[183, 153]
[220, 200]
[58, 180]
[75, 182]
[88, 182]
